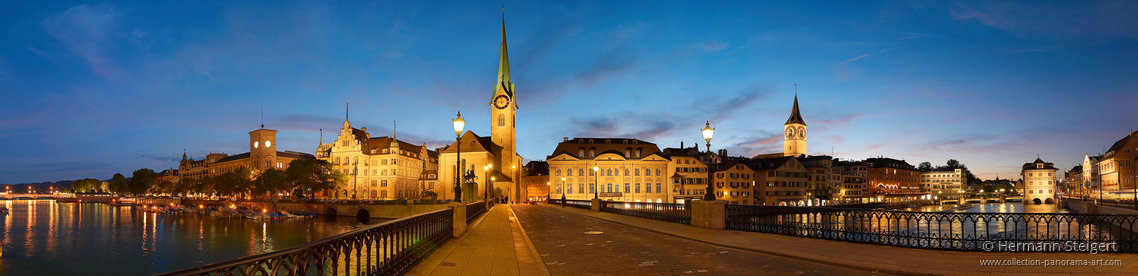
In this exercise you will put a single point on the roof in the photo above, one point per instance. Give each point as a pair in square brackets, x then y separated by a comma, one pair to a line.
[605, 145]
[1032, 165]
[429, 175]
[764, 164]
[233, 157]
[1121, 143]
[385, 142]
[883, 162]
[295, 155]
[479, 143]
[537, 168]
[795, 117]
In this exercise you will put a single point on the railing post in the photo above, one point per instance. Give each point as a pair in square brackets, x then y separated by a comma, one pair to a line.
[458, 209]
[709, 214]
[596, 205]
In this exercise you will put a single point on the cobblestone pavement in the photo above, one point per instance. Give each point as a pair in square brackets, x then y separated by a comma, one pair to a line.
[573, 244]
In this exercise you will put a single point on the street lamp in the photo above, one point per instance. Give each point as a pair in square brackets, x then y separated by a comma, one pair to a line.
[458, 124]
[563, 191]
[596, 190]
[707, 132]
[486, 169]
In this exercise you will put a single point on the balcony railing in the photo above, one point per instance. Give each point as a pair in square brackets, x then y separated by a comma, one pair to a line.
[390, 248]
[670, 212]
[946, 231]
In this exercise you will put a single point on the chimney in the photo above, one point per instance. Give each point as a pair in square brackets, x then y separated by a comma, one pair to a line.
[566, 139]
[681, 144]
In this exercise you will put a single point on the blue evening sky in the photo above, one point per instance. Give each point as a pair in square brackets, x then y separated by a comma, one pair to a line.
[89, 89]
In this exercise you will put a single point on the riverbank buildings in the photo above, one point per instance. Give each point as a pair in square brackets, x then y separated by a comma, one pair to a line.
[892, 178]
[616, 169]
[1116, 168]
[379, 168]
[263, 155]
[493, 161]
[1038, 182]
[944, 182]
[538, 180]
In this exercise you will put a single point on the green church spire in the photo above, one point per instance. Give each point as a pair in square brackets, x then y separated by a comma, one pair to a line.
[504, 64]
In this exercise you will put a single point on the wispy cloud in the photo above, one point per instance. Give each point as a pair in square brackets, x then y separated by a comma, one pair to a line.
[642, 126]
[87, 31]
[157, 157]
[842, 68]
[721, 107]
[714, 46]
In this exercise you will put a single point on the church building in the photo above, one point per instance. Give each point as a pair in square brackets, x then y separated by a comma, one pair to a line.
[492, 161]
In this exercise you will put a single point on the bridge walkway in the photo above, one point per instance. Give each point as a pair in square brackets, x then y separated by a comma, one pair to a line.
[494, 244]
[877, 258]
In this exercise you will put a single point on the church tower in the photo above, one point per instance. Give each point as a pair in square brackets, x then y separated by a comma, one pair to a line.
[263, 148]
[503, 111]
[794, 138]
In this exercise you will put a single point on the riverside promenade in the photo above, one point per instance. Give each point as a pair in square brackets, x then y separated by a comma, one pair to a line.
[573, 241]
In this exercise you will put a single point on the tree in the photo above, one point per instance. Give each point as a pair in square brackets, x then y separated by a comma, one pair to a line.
[925, 167]
[233, 183]
[141, 181]
[118, 184]
[270, 181]
[309, 176]
[953, 164]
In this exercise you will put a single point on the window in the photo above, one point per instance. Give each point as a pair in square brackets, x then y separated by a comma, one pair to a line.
[581, 188]
[580, 171]
[581, 152]
[592, 188]
[627, 188]
[657, 172]
[626, 172]
[636, 172]
[592, 153]
[568, 172]
[658, 190]
[638, 188]
[501, 120]
[569, 188]
[609, 188]
[558, 172]
[383, 183]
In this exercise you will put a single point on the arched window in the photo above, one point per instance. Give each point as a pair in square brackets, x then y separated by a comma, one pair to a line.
[337, 160]
[383, 194]
[501, 120]
[609, 172]
[558, 172]
[568, 172]
[627, 153]
[581, 152]
[592, 153]
[609, 187]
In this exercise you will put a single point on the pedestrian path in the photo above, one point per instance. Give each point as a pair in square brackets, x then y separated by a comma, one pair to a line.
[495, 244]
[879, 258]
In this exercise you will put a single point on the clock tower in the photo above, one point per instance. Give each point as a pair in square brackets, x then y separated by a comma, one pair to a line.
[263, 148]
[794, 132]
[503, 111]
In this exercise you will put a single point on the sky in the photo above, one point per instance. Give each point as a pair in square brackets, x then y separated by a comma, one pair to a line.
[90, 89]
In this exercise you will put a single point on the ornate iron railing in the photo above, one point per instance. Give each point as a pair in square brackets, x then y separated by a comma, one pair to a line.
[390, 248]
[949, 231]
[473, 210]
[670, 212]
[583, 204]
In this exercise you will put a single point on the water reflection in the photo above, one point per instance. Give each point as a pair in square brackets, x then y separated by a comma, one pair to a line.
[40, 235]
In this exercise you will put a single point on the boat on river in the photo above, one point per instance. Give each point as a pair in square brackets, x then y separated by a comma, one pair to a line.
[962, 206]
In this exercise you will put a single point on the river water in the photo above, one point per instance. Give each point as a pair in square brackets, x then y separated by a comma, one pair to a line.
[42, 237]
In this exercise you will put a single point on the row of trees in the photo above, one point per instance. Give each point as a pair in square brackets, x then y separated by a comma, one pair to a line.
[303, 177]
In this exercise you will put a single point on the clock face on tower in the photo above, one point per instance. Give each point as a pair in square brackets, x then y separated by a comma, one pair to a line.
[268, 144]
[790, 133]
[501, 102]
[801, 133]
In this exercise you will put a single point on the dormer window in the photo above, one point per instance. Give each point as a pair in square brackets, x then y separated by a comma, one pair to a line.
[1038, 166]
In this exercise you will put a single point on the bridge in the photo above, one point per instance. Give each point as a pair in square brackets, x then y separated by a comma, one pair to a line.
[595, 237]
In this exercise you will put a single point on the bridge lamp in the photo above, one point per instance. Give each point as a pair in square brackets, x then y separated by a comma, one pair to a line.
[596, 190]
[458, 124]
[707, 133]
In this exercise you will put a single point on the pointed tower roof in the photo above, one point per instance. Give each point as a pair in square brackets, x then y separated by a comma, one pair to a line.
[503, 64]
[795, 117]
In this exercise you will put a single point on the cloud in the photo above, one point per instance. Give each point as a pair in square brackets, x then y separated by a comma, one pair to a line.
[714, 46]
[646, 127]
[1079, 20]
[842, 68]
[156, 157]
[87, 31]
[764, 142]
[721, 107]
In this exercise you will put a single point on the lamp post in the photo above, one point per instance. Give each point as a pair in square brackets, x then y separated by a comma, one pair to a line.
[563, 192]
[486, 170]
[355, 170]
[596, 190]
[707, 132]
[458, 124]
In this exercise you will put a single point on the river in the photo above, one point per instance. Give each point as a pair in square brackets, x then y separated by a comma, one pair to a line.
[42, 237]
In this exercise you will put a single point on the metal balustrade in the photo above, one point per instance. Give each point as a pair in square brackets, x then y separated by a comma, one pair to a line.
[473, 210]
[670, 212]
[390, 248]
[947, 231]
[583, 204]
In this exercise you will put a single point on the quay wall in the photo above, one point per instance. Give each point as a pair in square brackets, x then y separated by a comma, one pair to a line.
[354, 210]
